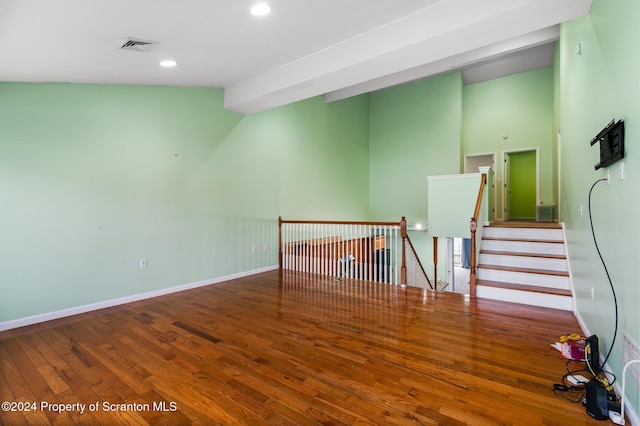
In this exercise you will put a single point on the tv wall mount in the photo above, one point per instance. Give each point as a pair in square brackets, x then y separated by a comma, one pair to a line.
[611, 140]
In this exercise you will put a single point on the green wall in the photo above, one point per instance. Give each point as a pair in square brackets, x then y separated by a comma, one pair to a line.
[95, 178]
[415, 132]
[512, 114]
[452, 201]
[601, 84]
[100, 177]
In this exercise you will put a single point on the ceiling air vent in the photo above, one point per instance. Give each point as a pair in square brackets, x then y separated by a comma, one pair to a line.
[138, 45]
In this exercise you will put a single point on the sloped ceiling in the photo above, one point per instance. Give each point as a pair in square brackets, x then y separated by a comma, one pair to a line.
[336, 48]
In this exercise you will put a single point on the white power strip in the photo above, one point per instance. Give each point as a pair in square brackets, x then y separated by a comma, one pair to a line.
[577, 379]
[618, 418]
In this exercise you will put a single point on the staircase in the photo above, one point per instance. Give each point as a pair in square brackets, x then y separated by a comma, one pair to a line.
[524, 263]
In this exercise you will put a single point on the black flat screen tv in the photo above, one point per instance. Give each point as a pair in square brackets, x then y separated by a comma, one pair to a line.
[611, 140]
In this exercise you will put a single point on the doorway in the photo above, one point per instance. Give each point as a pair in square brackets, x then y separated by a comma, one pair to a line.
[457, 264]
[472, 163]
[521, 184]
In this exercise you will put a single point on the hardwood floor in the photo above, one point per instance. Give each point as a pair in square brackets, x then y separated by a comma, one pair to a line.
[293, 349]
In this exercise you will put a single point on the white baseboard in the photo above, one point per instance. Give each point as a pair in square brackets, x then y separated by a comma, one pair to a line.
[631, 414]
[552, 301]
[566, 254]
[35, 319]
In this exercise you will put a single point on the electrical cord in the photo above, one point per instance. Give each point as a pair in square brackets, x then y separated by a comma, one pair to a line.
[571, 337]
[575, 391]
[605, 380]
[573, 373]
[570, 391]
[604, 265]
[564, 389]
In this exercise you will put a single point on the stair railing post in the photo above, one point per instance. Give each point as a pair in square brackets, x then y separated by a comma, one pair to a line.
[280, 243]
[403, 235]
[472, 273]
[435, 262]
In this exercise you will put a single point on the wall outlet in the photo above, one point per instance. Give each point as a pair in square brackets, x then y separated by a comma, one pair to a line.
[593, 293]
[253, 249]
[266, 247]
[143, 264]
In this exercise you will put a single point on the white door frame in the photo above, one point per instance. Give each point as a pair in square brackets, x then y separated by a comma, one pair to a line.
[480, 154]
[559, 176]
[449, 264]
[505, 170]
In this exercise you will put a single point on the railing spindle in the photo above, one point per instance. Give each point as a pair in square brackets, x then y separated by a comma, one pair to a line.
[368, 251]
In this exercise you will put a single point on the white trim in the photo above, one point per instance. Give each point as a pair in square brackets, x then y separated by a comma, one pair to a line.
[503, 186]
[552, 301]
[566, 255]
[538, 280]
[458, 176]
[538, 176]
[35, 319]
[531, 262]
[480, 154]
[523, 247]
[559, 177]
[504, 189]
[449, 264]
[628, 408]
[553, 235]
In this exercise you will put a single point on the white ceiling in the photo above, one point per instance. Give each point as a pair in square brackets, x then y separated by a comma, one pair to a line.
[336, 48]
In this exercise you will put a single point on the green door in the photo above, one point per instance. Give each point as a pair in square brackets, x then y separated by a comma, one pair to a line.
[521, 186]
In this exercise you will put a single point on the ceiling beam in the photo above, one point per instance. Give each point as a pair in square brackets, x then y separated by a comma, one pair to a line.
[432, 40]
[456, 62]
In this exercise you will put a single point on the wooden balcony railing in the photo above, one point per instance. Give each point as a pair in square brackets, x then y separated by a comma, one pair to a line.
[371, 251]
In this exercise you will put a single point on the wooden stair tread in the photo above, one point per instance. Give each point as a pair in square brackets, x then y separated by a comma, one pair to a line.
[524, 270]
[524, 287]
[523, 254]
[523, 240]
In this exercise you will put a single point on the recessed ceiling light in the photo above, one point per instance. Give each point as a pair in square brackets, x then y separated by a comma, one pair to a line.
[260, 9]
[168, 63]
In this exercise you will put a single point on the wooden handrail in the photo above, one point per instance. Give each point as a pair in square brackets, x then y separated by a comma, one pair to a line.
[339, 222]
[473, 226]
[483, 182]
[415, 254]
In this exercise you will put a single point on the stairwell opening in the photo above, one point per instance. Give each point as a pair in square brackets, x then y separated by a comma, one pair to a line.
[457, 264]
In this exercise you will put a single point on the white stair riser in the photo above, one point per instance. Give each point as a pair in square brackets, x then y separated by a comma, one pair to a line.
[523, 233]
[525, 297]
[523, 262]
[523, 247]
[513, 277]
